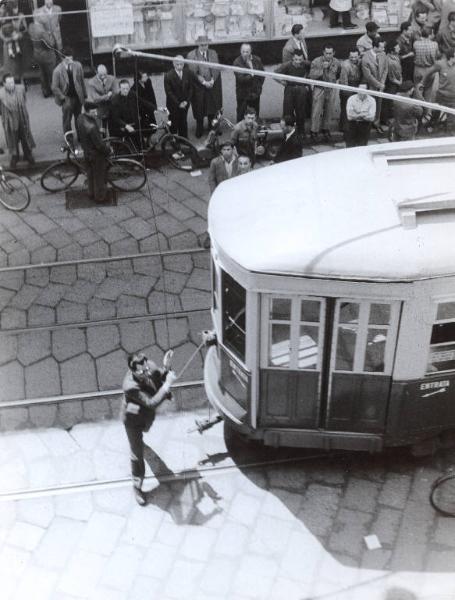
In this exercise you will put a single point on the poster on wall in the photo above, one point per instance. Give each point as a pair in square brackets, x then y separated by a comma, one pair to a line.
[111, 18]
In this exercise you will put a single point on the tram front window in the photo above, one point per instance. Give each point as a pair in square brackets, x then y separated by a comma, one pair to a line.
[234, 306]
[442, 348]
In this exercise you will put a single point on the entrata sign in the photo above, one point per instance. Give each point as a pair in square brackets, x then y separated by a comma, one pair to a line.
[111, 18]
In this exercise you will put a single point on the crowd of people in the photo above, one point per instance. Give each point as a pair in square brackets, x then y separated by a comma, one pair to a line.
[419, 63]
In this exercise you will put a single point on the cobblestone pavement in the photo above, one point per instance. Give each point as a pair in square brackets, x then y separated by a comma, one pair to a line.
[294, 530]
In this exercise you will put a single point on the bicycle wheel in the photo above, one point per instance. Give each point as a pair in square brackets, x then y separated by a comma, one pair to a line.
[126, 175]
[59, 176]
[180, 152]
[442, 495]
[14, 192]
[120, 148]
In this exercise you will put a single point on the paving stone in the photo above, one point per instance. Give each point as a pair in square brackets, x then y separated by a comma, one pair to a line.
[200, 280]
[74, 506]
[121, 569]
[5, 297]
[67, 343]
[348, 532]
[154, 243]
[182, 241]
[138, 533]
[69, 414]
[172, 282]
[19, 257]
[11, 381]
[319, 508]
[25, 536]
[145, 587]
[37, 277]
[112, 288]
[93, 272]
[197, 205]
[197, 224]
[12, 280]
[142, 207]
[41, 315]
[51, 295]
[409, 550]
[58, 543]
[124, 247]
[71, 224]
[102, 533]
[265, 571]
[8, 348]
[244, 509]
[33, 346]
[78, 375]
[395, 490]
[57, 238]
[167, 225]
[25, 297]
[131, 306]
[43, 416]
[21, 230]
[80, 292]
[98, 249]
[184, 579]
[136, 336]
[96, 409]
[36, 583]
[138, 228]
[70, 312]
[195, 299]
[40, 223]
[33, 242]
[179, 210]
[85, 236]
[46, 254]
[101, 340]
[70, 252]
[386, 525]
[12, 318]
[179, 263]
[361, 495]
[171, 333]
[42, 379]
[39, 511]
[112, 233]
[198, 543]
[111, 369]
[160, 303]
[444, 533]
[118, 213]
[99, 309]
[13, 418]
[122, 269]
[65, 274]
[149, 265]
[3, 258]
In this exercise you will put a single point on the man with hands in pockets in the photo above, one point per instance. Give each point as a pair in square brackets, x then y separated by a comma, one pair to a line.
[145, 387]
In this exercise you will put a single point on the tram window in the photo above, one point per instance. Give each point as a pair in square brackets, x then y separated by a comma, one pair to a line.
[446, 310]
[442, 349]
[308, 347]
[347, 338]
[375, 351]
[281, 309]
[234, 306]
[379, 314]
[310, 311]
[280, 347]
[443, 333]
[349, 312]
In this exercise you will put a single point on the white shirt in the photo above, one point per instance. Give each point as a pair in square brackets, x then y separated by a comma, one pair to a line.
[361, 109]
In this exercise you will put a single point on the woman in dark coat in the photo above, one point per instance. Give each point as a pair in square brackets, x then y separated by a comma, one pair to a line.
[145, 99]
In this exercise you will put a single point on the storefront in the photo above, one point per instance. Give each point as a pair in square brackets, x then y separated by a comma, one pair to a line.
[150, 24]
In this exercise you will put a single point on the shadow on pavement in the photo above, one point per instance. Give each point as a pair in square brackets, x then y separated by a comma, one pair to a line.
[187, 497]
[341, 497]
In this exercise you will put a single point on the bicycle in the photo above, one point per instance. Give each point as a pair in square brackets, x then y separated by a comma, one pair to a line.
[177, 150]
[14, 193]
[442, 494]
[123, 174]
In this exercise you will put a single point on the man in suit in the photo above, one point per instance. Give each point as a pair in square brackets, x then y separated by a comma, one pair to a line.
[43, 54]
[248, 88]
[100, 90]
[124, 119]
[291, 146]
[49, 16]
[178, 85]
[295, 42]
[207, 94]
[223, 167]
[96, 152]
[365, 42]
[68, 87]
[374, 72]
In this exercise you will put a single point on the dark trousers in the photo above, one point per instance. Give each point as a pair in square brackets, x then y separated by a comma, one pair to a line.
[21, 138]
[96, 174]
[357, 133]
[343, 102]
[335, 15]
[136, 442]
[46, 64]
[244, 102]
[295, 102]
[71, 107]
[179, 121]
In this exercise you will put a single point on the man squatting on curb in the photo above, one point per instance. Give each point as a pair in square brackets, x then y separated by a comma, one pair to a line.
[145, 387]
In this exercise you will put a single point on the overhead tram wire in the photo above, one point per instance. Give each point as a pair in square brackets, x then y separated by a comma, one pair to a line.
[123, 52]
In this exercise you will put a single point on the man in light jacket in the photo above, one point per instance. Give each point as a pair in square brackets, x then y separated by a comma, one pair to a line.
[68, 87]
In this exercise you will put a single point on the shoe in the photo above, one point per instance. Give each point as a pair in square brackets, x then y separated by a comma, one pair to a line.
[327, 136]
[313, 136]
[350, 26]
[334, 26]
[30, 160]
[140, 497]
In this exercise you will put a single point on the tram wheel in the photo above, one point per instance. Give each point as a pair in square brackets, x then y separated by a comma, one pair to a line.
[442, 495]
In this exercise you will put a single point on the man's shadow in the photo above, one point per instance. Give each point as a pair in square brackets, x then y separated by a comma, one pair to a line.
[186, 497]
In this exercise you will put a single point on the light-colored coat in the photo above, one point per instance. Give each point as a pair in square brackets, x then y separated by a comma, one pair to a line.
[51, 22]
[100, 95]
[374, 69]
[60, 82]
[14, 114]
[290, 47]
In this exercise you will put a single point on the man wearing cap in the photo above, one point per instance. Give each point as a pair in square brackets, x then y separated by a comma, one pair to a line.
[96, 152]
[207, 94]
[145, 386]
[365, 42]
[405, 116]
[223, 167]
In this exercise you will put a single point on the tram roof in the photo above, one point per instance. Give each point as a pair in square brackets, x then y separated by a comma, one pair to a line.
[342, 214]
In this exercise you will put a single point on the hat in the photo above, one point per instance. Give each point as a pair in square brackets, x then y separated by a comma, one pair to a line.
[371, 26]
[406, 86]
[202, 39]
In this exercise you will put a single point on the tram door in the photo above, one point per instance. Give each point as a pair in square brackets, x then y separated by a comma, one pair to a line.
[326, 363]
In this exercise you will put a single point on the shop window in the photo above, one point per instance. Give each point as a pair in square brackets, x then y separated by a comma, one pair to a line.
[442, 345]
[234, 307]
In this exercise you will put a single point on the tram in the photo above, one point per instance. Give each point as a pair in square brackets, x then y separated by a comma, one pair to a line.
[333, 299]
